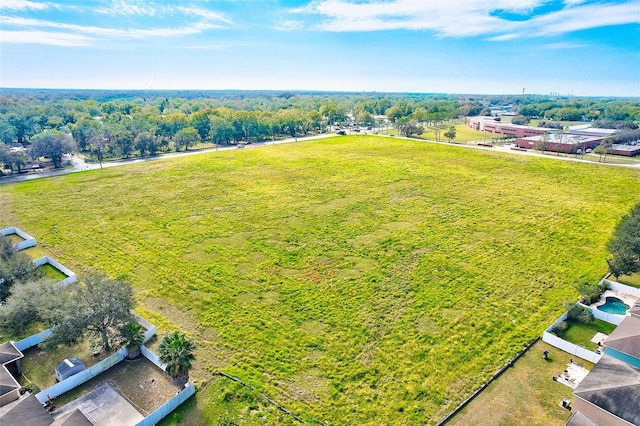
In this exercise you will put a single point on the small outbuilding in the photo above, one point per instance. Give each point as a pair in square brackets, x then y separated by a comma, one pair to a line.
[68, 368]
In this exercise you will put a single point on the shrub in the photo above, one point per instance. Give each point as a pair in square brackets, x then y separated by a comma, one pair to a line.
[579, 313]
[590, 292]
[31, 388]
[559, 328]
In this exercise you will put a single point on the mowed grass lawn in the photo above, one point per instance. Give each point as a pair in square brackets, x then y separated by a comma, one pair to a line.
[355, 280]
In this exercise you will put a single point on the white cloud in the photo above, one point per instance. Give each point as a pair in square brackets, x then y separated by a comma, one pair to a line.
[132, 33]
[204, 13]
[289, 25]
[461, 18]
[44, 37]
[587, 16]
[563, 46]
[128, 8]
[22, 5]
[140, 8]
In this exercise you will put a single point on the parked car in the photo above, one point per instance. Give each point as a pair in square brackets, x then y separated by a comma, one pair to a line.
[341, 132]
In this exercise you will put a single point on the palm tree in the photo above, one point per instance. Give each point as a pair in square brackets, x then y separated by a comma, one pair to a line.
[133, 338]
[176, 351]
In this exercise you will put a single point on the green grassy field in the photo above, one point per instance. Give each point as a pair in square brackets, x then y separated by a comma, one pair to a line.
[355, 280]
[464, 133]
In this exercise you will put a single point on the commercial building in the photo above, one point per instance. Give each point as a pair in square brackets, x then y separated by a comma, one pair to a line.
[567, 143]
[628, 150]
[493, 125]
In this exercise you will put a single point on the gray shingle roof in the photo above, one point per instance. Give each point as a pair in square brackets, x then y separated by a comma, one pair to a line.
[75, 418]
[581, 419]
[614, 386]
[25, 411]
[626, 337]
[8, 353]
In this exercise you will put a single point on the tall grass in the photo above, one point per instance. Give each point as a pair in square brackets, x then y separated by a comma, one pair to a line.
[356, 280]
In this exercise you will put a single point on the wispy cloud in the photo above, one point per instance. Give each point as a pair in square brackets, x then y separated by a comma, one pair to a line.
[131, 33]
[143, 19]
[289, 25]
[141, 8]
[45, 37]
[587, 16]
[128, 8]
[463, 18]
[204, 13]
[22, 5]
[563, 46]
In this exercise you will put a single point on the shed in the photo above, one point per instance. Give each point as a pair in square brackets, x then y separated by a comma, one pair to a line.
[68, 368]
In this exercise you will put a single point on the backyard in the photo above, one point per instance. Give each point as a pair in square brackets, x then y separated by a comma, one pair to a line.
[143, 384]
[581, 334]
[524, 394]
[353, 279]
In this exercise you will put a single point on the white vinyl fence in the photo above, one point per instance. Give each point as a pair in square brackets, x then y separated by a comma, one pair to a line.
[81, 377]
[622, 288]
[29, 241]
[605, 316]
[566, 346]
[71, 276]
[165, 409]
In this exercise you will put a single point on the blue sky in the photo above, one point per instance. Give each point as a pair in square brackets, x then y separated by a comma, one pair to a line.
[447, 46]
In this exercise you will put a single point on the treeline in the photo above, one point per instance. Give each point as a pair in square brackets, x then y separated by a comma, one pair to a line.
[625, 245]
[115, 124]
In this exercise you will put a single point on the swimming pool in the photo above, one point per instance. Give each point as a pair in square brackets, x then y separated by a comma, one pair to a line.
[613, 305]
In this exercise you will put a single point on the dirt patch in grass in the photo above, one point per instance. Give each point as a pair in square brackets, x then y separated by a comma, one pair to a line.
[180, 318]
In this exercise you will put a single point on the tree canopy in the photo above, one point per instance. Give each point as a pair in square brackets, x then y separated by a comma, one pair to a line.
[97, 307]
[176, 350]
[53, 144]
[14, 266]
[624, 246]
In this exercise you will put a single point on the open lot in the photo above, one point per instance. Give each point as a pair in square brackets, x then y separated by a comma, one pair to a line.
[355, 280]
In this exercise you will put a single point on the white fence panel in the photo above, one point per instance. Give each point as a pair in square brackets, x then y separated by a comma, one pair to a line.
[151, 329]
[571, 348]
[622, 288]
[78, 379]
[71, 276]
[168, 406]
[152, 357]
[29, 241]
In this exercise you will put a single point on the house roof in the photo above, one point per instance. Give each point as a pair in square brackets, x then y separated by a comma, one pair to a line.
[7, 382]
[580, 419]
[626, 337]
[614, 386]
[75, 418]
[25, 411]
[9, 353]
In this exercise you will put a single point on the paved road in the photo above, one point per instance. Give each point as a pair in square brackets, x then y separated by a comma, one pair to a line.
[78, 164]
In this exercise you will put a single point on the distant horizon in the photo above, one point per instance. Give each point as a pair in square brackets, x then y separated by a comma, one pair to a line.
[314, 91]
[586, 48]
